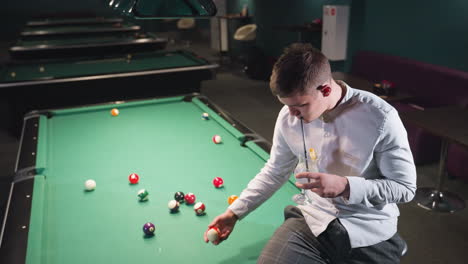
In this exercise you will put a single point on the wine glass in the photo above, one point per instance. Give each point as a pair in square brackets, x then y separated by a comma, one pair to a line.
[305, 164]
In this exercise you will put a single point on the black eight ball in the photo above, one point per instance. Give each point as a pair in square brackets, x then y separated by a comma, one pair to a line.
[179, 196]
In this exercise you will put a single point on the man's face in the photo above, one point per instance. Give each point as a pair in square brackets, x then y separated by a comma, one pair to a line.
[309, 106]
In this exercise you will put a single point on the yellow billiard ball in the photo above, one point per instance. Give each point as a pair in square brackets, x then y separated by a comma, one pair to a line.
[114, 112]
[232, 198]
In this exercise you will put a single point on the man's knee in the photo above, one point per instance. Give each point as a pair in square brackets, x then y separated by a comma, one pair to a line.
[292, 211]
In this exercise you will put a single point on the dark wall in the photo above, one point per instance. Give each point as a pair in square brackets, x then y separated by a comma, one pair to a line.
[432, 31]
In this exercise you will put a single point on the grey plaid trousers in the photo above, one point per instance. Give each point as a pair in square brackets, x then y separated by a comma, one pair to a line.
[293, 242]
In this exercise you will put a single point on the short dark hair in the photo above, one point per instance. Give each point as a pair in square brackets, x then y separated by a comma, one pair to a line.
[299, 67]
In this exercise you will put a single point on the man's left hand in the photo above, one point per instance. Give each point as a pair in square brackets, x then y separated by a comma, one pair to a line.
[324, 184]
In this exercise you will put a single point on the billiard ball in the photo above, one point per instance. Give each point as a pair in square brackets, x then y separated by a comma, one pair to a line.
[232, 198]
[190, 198]
[143, 195]
[90, 185]
[173, 206]
[179, 196]
[114, 112]
[149, 228]
[205, 116]
[199, 208]
[41, 69]
[13, 74]
[133, 178]
[213, 234]
[218, 182]
[217, 139]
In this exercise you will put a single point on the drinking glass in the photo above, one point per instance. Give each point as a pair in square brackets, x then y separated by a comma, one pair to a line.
[308, 163]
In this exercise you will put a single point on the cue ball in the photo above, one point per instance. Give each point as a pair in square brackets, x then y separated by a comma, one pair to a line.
[205, 116]
[190, 198]
[199, 208]
[217, 139]
[90, 185]
[133, 178]
[149, 228]
[173, 206]
[114, 112]
[179, 196]
[213, 234]
[218, 182]
[13, 74]
[41, 69]
[232, 198]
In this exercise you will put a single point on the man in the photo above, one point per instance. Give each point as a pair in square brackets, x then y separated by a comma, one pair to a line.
[364, 161]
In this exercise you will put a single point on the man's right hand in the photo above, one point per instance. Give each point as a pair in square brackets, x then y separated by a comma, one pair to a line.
[225, 223]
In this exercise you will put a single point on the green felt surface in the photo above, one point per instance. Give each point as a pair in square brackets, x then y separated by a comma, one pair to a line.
[143, 61]
[168, 144]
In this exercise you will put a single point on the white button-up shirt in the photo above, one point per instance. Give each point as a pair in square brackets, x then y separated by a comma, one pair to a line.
[362, 139]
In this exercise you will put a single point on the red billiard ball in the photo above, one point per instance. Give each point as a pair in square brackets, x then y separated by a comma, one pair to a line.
[133, 178]
[199, 208]
[190, 198]
[173, 206]
[217, 139]
[213, 234]
[218, 182]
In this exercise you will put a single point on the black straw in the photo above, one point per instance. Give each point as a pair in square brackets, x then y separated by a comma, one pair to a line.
[303, 142]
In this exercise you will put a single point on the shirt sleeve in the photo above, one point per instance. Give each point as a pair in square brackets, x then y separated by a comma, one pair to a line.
[393, 157]
[271, 177]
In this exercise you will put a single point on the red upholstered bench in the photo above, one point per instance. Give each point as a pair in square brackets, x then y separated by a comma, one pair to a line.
[431, 86]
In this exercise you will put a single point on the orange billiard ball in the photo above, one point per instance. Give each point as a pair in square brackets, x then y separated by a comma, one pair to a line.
[232, 198]
[115, 112]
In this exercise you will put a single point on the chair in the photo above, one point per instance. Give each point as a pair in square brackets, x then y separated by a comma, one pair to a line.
[246, 33]
[186, 26]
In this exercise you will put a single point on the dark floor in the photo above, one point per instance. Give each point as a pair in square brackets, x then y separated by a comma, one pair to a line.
[431, 237]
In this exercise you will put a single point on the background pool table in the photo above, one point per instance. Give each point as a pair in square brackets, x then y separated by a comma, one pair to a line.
[52, 219]
[58, 83]
[51, 21]
[44, 32]
[76, 46]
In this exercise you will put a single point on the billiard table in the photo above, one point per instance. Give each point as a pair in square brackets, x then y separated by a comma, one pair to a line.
[52, 22]
[51, 218]
[45, 32]
[58, 83]
[76, 46]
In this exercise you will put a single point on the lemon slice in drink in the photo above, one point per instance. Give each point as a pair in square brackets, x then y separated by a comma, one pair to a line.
[313, 154]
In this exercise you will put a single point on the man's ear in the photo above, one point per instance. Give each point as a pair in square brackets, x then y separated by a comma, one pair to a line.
[325, 89]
